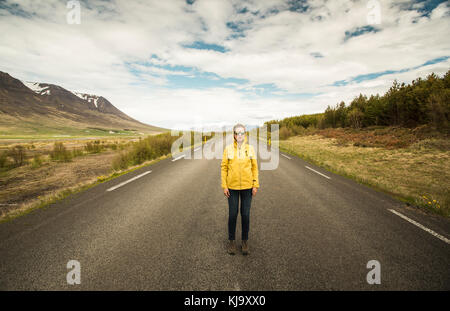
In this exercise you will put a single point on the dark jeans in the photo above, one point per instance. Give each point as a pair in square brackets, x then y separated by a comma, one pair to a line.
[233, 204]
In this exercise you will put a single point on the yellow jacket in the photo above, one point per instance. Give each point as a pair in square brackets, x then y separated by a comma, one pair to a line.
[239, 169]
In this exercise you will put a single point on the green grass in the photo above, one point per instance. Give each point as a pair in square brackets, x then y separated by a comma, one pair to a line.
[73, 134]
[31, 130]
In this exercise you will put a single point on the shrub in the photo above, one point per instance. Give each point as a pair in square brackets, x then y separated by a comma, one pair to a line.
[121, 161]
[37, 161]
[4, 159]
[93, 147]
[18, 155]
[285, 133]
[143, 150]
[60, 153]
[77, 152]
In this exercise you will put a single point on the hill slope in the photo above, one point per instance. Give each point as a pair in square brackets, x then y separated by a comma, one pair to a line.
[33, 108]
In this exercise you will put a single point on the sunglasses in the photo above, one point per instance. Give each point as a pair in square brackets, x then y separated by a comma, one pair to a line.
[239, 133]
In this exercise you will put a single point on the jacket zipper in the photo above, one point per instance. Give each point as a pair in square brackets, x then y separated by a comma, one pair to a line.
[240, 172]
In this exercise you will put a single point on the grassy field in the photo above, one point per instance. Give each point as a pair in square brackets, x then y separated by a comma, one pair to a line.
[406, 163]
[46, 127]
[70, 133]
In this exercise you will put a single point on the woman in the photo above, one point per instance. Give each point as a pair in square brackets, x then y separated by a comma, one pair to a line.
[239, 174]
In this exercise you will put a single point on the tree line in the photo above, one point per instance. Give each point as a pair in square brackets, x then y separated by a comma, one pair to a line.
[423, 101]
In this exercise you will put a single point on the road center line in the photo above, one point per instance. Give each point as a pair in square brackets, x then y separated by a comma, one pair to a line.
[127, 181]
[317, 172]
[285, 156]
[181, 156]
[443, 238]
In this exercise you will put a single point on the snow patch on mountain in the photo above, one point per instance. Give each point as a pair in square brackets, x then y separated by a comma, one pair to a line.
[88, 97]
[45, 90]
[37, 88]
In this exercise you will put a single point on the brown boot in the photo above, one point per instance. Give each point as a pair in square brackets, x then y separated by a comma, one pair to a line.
[231, 249]
[245, 247]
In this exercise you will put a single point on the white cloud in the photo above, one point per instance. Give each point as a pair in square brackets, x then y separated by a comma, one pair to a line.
[114, 37]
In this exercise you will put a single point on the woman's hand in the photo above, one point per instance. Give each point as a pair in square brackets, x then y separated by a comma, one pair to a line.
[254, 190]
[226, 192]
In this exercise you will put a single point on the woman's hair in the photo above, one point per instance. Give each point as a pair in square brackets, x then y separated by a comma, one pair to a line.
[238, 126]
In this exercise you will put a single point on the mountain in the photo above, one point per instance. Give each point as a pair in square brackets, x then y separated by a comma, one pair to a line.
[102, 104]
[29, 107]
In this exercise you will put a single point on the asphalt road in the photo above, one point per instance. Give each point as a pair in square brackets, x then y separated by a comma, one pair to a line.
[167, 230]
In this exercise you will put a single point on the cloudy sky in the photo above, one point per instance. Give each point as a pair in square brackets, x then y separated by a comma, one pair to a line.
[203, 63]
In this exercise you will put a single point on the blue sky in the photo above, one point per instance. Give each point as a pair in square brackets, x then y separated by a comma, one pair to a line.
[374, 75]
[213, 63]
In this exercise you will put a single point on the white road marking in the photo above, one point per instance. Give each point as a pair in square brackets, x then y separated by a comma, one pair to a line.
[443, 238]
[182, 156]
[285, 156]
[317, 172]
[127, 181]
[196, 148]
